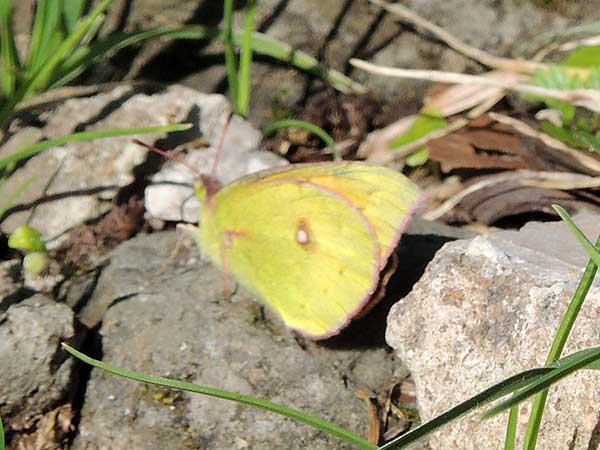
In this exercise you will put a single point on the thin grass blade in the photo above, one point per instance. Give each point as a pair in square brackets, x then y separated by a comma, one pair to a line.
[8, 52]
[1, 435]
[72, 11]
[12, 198]
[563, 369]
[299, 416]
[486, 396]
[581, 237]
[44, 73]
[32, 150]
[316, 130]
[230, 57]
[558, 345]
[245, 81]
[45, 25]
[261, 44]
[511, 429]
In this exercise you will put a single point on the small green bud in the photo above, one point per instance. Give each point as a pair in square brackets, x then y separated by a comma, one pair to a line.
[35, 263]
[28, 239]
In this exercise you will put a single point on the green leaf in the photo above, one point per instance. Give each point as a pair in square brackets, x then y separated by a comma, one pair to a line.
[427, 121]
[26, 238]
[563, 134]
[36, 263]
[296, 415]
[417, 158]
[586, 57]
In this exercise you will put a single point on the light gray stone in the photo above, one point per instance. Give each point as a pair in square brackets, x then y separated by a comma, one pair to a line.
[75, 182]
[171, 194]
[35, 374]
[487, 308]
[170, 318]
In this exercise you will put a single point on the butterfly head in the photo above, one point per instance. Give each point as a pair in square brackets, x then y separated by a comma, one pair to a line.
[207, 188]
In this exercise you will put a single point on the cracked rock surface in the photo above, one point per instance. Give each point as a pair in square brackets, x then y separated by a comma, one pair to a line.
[487, 308]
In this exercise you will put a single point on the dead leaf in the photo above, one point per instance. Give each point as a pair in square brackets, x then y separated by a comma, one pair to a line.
[50, 433]
[373, 411]
[483, 148]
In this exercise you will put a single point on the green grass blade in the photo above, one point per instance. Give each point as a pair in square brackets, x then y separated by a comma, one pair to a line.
[488, 395]
[564, 368]
[261, 44]
[316, 130]
[45, 25]
[32, 150]
[581, 237]
[511, 429]
[85, 57]
[560, 340]
[6, 204]
[45, 72]
[301, 417]
[245, 81]
[265, 45]
[1, 435]
[8, 52]
[72, 11]
[230, 58]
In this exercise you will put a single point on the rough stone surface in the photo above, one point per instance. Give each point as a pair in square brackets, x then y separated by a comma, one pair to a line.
[174, 321]
[75, 182]
[336, 31]
[171, 194]
[487, 308]
[35, 374]
[10, 288]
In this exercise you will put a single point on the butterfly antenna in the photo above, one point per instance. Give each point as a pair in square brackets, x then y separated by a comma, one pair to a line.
[220, 146]
[167, 155]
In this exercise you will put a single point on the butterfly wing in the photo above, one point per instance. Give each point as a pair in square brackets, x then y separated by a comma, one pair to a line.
[311, 240]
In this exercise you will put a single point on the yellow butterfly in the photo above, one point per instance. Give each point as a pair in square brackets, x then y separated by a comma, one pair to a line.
[308, 240]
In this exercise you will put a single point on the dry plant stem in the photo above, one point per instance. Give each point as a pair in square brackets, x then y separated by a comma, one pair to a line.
[565, 47]
[582, 158]
[587, 98]
[60, 94]
[513, 65]
[587, 42]
[554, 180]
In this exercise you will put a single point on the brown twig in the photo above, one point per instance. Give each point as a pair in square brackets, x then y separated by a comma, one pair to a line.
[587, 98]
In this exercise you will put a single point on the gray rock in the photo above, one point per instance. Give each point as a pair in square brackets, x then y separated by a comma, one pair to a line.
[336, 31]
[171, 194]
[10, 284]
[66, 190]
[170, 318]
[487, 308]
[35, 374]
